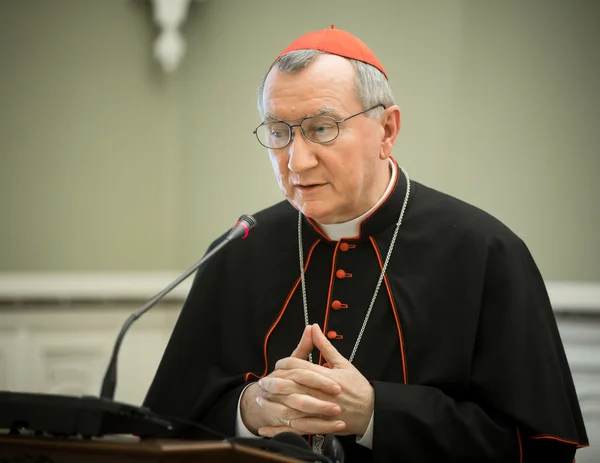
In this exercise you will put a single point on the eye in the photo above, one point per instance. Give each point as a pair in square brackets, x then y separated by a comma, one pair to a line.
[278, 130]
[320, 129]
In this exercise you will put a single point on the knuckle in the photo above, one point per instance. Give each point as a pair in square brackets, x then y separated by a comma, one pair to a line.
[334, 409]
[327, 408]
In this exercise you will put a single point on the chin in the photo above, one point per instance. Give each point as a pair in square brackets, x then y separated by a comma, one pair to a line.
[321, 211]
[318, 214]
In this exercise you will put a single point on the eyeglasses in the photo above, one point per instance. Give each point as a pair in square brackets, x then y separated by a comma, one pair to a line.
[318, 129]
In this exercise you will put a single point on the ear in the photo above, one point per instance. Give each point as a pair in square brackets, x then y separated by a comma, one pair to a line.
[390, 122]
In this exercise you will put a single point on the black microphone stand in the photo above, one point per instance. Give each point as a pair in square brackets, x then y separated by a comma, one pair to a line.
[110, 378]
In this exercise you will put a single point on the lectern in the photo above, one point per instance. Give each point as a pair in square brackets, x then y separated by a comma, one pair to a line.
[48, 428]
[30, 449]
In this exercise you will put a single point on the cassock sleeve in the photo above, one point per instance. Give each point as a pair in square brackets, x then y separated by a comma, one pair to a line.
[190, 382]
[522, 405]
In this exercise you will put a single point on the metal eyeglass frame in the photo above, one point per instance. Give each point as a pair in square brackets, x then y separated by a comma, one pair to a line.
[291, 126]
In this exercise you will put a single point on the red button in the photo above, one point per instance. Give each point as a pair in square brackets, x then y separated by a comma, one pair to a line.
[344, 247]
[336, 305]
[333, 335]
[340, 274]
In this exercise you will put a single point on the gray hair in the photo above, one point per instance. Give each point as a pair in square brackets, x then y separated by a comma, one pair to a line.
[371, 85]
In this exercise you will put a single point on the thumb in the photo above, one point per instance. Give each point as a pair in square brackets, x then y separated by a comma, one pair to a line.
[331, 354]
[305, 346]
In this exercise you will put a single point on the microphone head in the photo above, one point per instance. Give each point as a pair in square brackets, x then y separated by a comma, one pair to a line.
[248, 220]
[242, 227]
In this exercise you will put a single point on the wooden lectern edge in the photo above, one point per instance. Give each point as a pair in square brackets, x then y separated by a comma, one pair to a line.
[148, 447]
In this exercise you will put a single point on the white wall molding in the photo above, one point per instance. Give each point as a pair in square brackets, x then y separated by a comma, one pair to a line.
[47, 318]
[18, 288]
[582, 297]
[72, 287]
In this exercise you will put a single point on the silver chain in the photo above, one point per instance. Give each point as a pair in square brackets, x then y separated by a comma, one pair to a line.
[381, 276]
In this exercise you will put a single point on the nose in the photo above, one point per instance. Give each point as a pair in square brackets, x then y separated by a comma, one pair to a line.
[301, 156]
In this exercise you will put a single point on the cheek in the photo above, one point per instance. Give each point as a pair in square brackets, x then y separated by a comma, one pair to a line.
[344, 171]
[279, 164]
[348, 184]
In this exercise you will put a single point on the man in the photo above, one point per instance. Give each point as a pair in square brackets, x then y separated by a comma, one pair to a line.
[411, 325]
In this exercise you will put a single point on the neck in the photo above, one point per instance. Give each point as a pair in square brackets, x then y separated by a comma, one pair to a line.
[351, 228]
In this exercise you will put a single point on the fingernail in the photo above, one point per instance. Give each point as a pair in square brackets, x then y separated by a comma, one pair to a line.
[336, 389]
[259, 402]
[260, 382]
[340, 426]
[337, 409]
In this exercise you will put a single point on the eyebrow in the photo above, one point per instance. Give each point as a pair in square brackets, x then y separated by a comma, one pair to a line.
[328, 111]
[324, 111]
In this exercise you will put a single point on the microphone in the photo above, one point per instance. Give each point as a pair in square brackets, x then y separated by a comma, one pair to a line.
[239, 230]
[242, 227]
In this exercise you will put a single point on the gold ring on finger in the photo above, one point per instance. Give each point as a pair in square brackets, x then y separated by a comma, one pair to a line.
[285, 421]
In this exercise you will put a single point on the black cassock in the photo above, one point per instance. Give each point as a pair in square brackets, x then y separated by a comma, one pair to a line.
[461, 347]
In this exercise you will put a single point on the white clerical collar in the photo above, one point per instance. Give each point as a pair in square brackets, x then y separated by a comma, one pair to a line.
[337, 231]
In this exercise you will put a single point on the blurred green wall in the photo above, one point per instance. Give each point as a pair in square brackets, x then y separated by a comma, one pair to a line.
[107, 163]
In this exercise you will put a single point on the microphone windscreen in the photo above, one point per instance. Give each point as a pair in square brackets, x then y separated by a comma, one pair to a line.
[292, 438]
[249, 220]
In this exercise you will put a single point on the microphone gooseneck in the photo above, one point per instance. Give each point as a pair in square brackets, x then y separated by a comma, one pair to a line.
[239, 230]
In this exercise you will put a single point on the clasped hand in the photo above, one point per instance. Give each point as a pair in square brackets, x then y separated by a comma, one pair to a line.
[305, 398]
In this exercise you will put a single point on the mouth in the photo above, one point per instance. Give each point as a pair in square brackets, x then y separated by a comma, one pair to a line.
[308, 187]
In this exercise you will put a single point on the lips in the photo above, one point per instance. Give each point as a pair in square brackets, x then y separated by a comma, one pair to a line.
[308, 186]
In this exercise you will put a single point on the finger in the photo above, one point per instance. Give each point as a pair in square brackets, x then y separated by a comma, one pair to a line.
[282, 364]
[273, 411]
[310, 392]
[292, 363]
[307, 404]
[333, 357]
[305, 346]
[276, 385]
[272, 431]
[310, 379]
[307, 426]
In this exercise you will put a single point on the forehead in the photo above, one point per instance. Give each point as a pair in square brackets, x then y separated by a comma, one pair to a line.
[326, 83]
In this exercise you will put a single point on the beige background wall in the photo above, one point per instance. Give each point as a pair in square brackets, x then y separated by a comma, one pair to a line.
[108, 164]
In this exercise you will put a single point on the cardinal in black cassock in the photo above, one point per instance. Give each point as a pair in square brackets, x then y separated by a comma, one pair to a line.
[456, 336]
